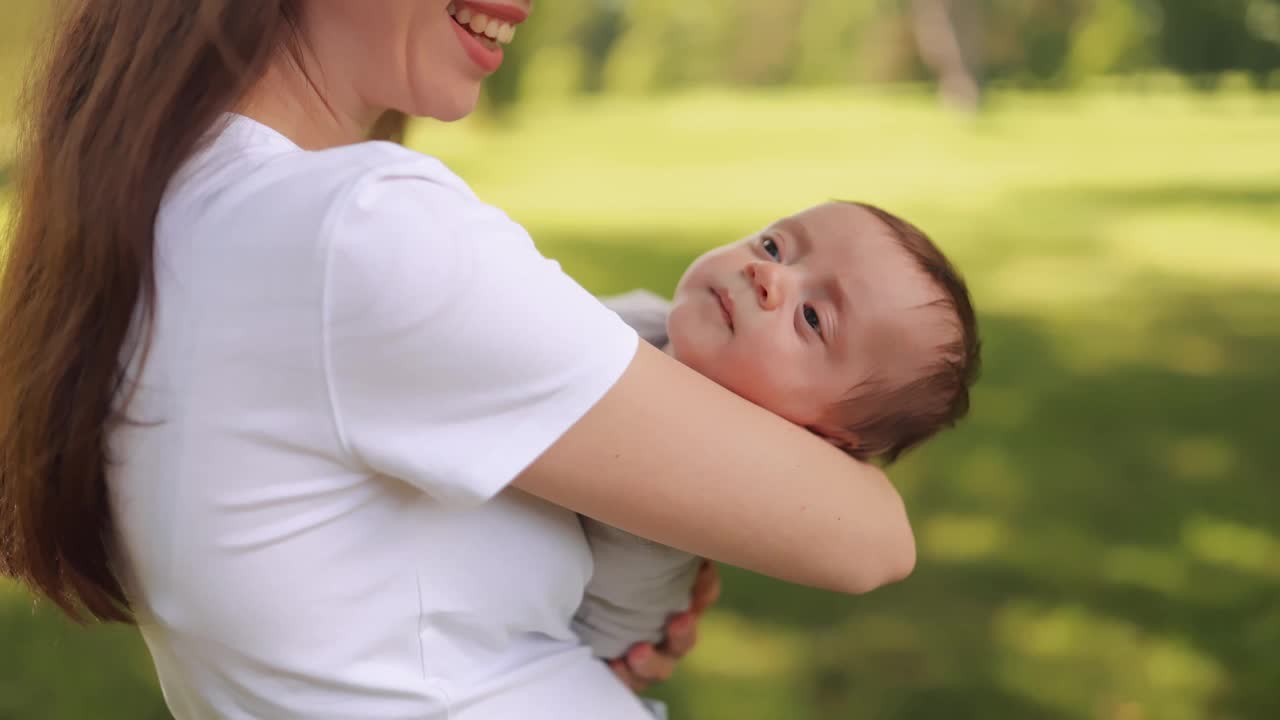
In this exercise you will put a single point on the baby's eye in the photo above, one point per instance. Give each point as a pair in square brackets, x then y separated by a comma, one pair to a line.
[770, 247]
[811, 317]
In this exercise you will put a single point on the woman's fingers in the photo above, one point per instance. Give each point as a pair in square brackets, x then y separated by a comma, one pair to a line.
[706, 588]
[644, 664]
[650, 665]
[682, 635]
[628, 678]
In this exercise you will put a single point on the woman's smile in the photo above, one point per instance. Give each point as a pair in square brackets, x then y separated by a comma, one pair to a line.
[483, 28]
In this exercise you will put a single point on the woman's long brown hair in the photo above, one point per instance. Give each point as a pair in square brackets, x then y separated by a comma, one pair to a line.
[125, 95]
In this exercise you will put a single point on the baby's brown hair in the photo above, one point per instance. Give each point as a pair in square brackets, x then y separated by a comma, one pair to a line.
[882, 420]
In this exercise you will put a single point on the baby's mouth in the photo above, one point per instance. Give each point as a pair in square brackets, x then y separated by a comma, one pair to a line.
[726, 305]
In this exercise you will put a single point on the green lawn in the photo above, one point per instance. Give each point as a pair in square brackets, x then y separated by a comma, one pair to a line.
[1100, 540]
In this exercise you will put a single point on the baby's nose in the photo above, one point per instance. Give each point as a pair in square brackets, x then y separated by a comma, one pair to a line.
[767, 279]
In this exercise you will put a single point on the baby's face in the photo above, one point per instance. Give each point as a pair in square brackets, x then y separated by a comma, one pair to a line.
[793, 317]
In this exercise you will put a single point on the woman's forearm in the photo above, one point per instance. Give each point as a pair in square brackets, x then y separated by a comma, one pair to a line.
[671, 456]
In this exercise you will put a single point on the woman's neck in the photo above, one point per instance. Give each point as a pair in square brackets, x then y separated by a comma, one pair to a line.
[295, 104]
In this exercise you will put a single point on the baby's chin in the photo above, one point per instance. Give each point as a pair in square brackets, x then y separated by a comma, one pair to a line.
[678, 348]
[703, 359]
[692, 353]
[704, 350]
[706, 362]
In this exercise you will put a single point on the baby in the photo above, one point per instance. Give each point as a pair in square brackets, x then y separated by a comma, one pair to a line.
[843, 319]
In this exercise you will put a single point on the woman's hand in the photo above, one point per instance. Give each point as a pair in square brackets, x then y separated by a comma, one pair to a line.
[646, 664]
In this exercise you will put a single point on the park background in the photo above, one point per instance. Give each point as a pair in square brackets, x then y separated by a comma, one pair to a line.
[1101, 539]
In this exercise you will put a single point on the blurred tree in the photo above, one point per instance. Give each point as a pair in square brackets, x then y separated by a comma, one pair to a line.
[564, 24]
[587, 46]
[669, 44]
[1114, 36]
[1027, 43]
[656, 45]
[764, 40]
[948, 37]
[599, 35]
[1203, 38]
[832, 42]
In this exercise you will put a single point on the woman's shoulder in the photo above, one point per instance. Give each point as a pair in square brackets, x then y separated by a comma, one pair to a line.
[351, 169]
[377, 159]
[266, 185]
[243, 159]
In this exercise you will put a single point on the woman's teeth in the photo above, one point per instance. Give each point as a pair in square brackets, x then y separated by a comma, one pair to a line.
[491, 29]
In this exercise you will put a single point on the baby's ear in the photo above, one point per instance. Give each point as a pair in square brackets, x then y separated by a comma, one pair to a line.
[841, 437]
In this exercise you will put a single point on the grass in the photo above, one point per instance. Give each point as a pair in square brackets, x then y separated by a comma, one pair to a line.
[1099, 540]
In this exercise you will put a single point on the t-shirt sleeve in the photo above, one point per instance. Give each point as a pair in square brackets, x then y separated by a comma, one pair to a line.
[456, 352]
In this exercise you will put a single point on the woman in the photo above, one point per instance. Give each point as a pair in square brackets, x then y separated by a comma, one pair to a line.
[318, 419]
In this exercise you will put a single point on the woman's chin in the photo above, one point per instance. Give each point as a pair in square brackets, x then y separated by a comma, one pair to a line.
[453, 113]
[448, 104]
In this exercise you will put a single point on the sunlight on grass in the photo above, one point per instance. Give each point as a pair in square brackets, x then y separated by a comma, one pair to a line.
[1148, 321]
[1105, 252]
[957, 538]
[1071, 551]
[1094, 537]
[11, 592]
[1203, 243]
[1201, 458]
[741, 668]
[1058, 655]
[731, 646]
[1233, 545]
[707, 153]
[1054, 283]
[1003, 407]
[989, 476]
[1150, 568]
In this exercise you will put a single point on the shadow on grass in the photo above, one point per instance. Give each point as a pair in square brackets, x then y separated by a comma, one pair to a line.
[52, 669]
[1102, 523]
[1249, 195]
[1076, 220]
[1097, 540]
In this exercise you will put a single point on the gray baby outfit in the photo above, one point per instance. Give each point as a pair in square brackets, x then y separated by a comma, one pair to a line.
[638, 584]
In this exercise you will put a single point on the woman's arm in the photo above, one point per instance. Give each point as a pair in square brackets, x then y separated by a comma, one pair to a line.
[443, 324]
[669, 455]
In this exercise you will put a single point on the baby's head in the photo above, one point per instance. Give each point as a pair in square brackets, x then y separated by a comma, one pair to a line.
[843, 319]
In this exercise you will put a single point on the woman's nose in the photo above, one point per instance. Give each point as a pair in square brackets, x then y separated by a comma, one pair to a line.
[769, 283]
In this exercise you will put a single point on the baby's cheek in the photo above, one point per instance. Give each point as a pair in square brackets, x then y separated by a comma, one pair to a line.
[773, 381]
[744, 374]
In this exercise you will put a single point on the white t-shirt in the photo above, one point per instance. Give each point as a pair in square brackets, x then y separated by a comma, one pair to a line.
[352, 358]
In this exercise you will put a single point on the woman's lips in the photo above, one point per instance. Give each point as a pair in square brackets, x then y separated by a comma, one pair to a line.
[506, 13]
[726, 305]
[488, 59]
[485, 49]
